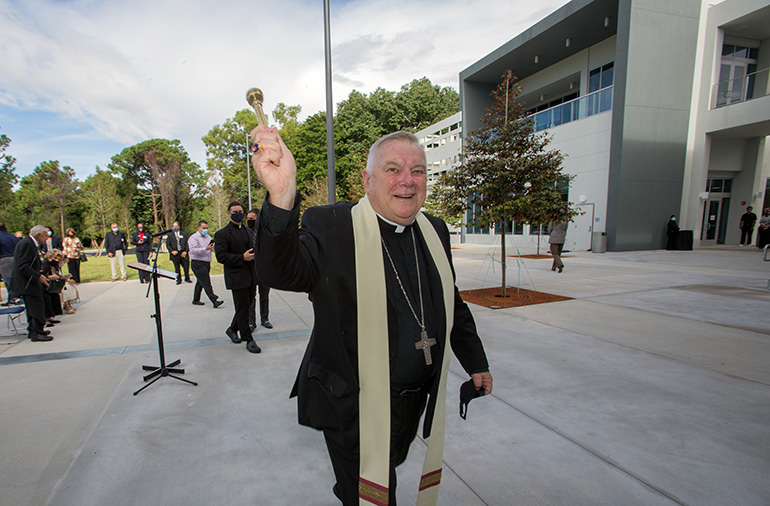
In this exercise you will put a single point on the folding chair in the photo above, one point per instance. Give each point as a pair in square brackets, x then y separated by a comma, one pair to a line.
[14, 313]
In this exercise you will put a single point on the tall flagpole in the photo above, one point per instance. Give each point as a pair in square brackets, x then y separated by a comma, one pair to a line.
[329, 108]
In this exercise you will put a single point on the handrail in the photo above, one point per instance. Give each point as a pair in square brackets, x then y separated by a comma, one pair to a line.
[740, 89]
[573, 110]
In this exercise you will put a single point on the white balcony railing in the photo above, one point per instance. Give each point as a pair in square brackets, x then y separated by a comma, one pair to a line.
[740, 89]
[579, 108]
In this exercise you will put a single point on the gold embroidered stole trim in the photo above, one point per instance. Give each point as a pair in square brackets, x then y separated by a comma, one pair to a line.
[374, 363]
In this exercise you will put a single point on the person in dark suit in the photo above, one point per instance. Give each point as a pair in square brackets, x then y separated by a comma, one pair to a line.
[262, 289]
[28, 280]
[51, 241]
[234, 249]
[179, 251]
[143, 242]
[379, 276]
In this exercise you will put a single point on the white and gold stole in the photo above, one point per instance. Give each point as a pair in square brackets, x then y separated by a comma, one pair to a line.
[374, 362]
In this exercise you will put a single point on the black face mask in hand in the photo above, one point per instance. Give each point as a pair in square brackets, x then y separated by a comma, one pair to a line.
[468, 392]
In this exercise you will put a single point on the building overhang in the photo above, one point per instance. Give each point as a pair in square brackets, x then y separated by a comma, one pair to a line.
[584, 22]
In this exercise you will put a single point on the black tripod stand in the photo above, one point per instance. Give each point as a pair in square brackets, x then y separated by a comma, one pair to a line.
[164, 369]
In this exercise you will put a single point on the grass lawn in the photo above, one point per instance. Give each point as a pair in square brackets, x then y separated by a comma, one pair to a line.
[98, 268]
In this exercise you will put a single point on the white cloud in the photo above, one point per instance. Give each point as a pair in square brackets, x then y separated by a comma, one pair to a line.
[171, 68]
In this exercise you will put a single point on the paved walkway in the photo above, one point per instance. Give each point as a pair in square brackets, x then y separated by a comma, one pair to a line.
[650, 387]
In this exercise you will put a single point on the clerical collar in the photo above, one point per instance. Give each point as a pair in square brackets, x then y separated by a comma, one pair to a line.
[399, 228]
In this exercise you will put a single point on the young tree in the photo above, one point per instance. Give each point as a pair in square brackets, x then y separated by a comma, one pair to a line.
[49, 188]
[9, 203]
[507, 172]
[104, 204]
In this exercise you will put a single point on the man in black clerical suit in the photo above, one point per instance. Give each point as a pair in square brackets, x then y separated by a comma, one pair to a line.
[179, 251]
[319, 258]
[143, 242]
[234, 249]
[28, 280]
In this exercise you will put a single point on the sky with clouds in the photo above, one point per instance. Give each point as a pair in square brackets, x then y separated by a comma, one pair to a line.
[82, 79]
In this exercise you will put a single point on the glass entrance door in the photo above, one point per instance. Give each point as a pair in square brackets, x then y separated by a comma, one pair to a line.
[715, 221]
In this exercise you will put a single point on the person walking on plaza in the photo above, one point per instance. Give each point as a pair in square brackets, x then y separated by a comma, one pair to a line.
[28, 280]
[201, 247]
[234, 249]
[115, 245]
[557, 233]
[763, 232]
[72, 251]
[143, 242]
[748, 220]
[8, 243]
[387, 312]
[262, 289]
[176, 243]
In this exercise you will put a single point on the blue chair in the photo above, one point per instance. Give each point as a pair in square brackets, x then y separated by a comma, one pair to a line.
[14, 313]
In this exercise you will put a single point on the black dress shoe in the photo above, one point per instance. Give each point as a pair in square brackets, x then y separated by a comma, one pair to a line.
[253, 347]
[198, 303]
[49, 324]
[178, 281]
[45, 332]
[252, 326]
[188, 280]
[40, 338]
[218, 303]
[267, 324]
[55, 321]
[233, 336]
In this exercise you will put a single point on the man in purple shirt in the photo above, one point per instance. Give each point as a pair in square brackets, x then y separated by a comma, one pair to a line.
[201, 246]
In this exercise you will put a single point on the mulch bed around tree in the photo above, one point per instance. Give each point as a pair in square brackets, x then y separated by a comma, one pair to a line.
[490, 297]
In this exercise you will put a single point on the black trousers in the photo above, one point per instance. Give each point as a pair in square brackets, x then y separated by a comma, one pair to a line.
[73, 265]
[343, 446]
[178, 260]
[241, 300]
[143, 257]
[264, 305]
[746, 235]
[201, 270]
[35, 305]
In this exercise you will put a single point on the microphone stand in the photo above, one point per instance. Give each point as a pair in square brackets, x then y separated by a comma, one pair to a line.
[164, 369]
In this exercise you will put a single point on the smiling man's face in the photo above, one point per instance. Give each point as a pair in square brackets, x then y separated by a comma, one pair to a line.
[397, 185]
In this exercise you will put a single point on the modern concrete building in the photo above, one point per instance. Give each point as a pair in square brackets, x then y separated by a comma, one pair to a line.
[661, 108]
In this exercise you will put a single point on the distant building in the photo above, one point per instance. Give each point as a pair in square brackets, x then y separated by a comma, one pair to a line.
[661, 108]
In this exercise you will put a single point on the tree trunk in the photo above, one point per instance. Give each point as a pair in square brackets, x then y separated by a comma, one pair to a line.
[502, 254]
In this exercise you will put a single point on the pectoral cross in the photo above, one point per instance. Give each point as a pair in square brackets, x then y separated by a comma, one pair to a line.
[424, 344]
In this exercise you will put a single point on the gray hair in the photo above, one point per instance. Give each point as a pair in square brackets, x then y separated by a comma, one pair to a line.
[37, 230]
[395, 136]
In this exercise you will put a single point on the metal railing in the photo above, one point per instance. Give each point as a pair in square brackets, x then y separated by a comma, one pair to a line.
[579, 108]
[740, 89]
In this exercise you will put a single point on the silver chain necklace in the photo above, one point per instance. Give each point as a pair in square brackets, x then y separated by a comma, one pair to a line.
[424, 344]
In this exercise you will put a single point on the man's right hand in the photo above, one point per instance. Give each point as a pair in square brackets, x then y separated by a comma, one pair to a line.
[275, 166]
[109, 255]
[44, 280]
[248, 255]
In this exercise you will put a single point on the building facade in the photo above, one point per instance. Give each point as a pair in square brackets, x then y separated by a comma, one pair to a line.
[661, 108]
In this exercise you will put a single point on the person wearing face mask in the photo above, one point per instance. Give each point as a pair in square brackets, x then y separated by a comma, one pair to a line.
[52, 242]
[672, 232]
[234, 249]
[178, 251]
[263, 289]
[72, 250]
[143, 242]
[201, 247]
[115, 245]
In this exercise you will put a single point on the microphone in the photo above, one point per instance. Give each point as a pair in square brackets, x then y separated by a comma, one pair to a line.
[163, 233]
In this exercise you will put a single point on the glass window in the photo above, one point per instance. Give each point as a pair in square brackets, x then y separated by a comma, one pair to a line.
[607, 74]
[518, 228]
[741, 52]
[727, 50]
[753, 53]
[594, 80]
[728, 186]
[716, 185]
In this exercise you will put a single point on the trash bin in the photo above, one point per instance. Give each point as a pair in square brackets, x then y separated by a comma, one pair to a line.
[599, 242]
[684, 240]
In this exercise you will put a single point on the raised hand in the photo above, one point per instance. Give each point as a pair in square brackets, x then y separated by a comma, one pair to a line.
[275, 166]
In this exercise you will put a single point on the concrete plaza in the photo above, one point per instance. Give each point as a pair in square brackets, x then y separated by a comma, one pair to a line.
[650, 387]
